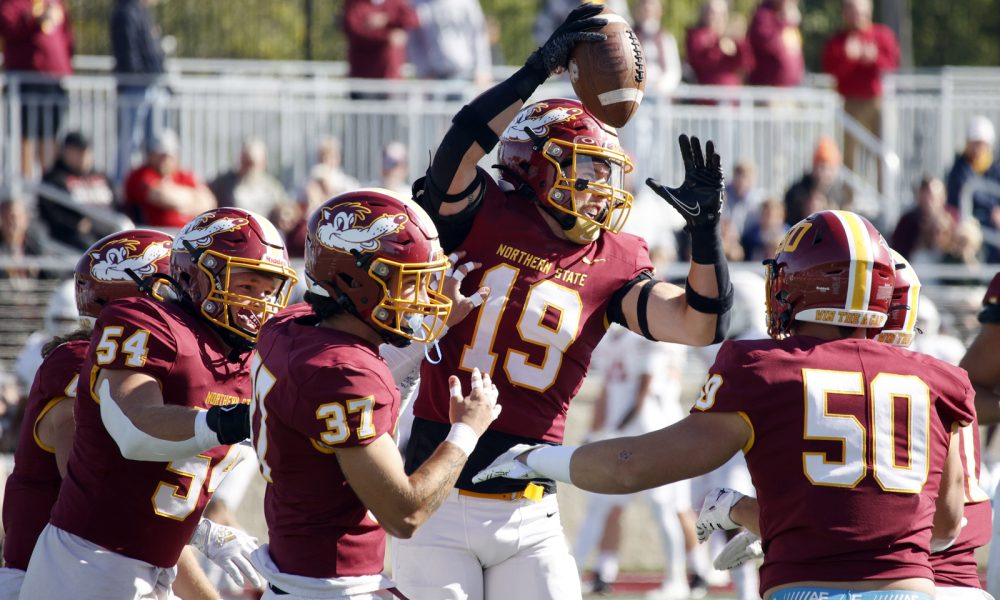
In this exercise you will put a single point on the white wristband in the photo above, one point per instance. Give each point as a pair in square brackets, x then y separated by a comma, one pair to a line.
[205, 437]
[552, 462]
[463, 436]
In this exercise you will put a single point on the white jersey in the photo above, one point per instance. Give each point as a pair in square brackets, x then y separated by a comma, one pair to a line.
[625, 358]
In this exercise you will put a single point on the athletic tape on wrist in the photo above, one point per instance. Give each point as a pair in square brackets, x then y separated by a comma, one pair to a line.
[464, 437]
[552, 462]
[203, 434]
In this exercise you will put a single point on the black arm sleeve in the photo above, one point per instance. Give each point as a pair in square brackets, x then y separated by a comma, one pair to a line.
[471, 126]
[615, 313]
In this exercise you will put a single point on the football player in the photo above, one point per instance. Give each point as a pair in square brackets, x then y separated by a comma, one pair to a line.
[848, 440]
[548, 236]
[955, 571]
[163, 392]
[325, 402]
[982, 361]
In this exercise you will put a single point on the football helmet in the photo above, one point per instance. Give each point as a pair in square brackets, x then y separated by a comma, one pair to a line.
[206, 253]
[833, 267]
[902, 318]
[377, 255]
[560, 154]
[117, 266]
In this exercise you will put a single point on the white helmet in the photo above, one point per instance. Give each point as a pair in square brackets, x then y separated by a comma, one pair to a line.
[61, 315]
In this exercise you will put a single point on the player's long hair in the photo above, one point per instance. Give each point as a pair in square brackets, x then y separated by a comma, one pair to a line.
[83, 333]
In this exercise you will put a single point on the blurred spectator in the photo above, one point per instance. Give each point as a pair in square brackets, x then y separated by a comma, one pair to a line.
[663, 60]
[494, 31]
[717, 48]
[824, 178]
[61, 317]
[249, 186]
[38, 41]
[451, 41]
[743, 199]
[553, 13]
[92, 190]
[732, 247]
[20, 237]
[915, 230]
[976, 160]
[395, 168]
[930, 339]
[11, 413]
[326, 179]
[777, 44]
[160, 192]
[857, 56]
[376, 38]
[964, 248]
[937, 239]
[135, 44]
[762, 235]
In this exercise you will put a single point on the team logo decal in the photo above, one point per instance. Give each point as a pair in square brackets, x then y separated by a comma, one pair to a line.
[198, 234]
[113, 261]
[343, 228]
[538, 121]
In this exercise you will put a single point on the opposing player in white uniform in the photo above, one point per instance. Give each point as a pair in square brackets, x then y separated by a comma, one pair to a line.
[641, 394]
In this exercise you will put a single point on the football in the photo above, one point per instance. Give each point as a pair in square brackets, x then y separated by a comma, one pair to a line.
[609, 77]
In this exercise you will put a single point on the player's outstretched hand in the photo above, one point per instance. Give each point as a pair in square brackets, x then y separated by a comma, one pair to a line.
[461, 305]
[714, 514]
[480, 407]
[745, 546]
[553, 56]
[229, 548]
[700, 197]
[510, 465]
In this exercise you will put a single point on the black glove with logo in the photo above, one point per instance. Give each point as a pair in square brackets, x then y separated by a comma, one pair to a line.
[554, 53]
[230, 423]
[699, 198]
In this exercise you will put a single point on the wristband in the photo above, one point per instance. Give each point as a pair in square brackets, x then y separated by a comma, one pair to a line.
[463, 436]
[706, 245]
[203, 434]
[552, 462]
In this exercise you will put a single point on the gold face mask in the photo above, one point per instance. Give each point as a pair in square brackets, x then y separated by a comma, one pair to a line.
[983, 161]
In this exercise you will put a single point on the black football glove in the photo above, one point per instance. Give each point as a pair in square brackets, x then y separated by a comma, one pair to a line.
[554, 53]
[230, 423]
[700, 198]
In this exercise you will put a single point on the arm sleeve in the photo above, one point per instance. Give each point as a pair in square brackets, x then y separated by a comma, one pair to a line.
[888, 50]
[835, 58]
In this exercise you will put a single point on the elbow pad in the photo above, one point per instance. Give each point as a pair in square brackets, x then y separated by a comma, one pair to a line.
[136, 444]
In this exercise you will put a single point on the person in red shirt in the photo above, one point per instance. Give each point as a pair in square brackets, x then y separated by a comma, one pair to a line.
[717, 50]
[161, 194]
[857, 56]
[777, 44]
[38, 41]
[376, 38]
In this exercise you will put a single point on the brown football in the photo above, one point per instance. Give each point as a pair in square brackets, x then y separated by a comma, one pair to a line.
[609, 77]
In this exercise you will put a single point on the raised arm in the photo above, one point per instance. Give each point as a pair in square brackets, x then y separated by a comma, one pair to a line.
[452, 188]
[699, 314]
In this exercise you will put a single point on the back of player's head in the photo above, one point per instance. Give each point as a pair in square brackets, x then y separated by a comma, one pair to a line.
[902, 318]
[213, 253]
[376, 255]
[116, 266]
[833, 268]
[555, 151]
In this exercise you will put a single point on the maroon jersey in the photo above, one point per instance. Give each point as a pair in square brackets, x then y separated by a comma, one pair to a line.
[956, 566]
[33, 486]
[849, 441]
[317, 390]
[542, 321]
[142, 509]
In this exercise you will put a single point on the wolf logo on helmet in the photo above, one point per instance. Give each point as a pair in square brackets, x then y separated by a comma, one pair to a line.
[114, 267]
[832, 267]
[564, 158]
[394, 285]
[339, 229]
[197, 236]
[113, 260]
